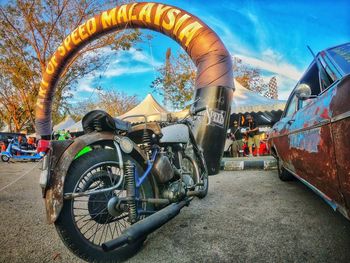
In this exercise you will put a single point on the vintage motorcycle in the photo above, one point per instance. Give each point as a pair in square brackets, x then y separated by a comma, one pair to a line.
[110, 188]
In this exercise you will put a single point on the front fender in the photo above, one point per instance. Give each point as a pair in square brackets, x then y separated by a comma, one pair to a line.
[6, 154]
[54, 192]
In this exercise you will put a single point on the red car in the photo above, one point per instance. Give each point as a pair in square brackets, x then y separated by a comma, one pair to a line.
[312, 139]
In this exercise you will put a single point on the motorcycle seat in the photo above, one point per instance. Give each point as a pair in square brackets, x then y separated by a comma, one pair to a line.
[101, 121]
[122, 125]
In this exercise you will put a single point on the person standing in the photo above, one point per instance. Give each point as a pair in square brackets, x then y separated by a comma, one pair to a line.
[253, 136]
[237, 137]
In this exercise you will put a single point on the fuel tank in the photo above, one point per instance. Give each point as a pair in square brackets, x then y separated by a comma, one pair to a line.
[177, 133]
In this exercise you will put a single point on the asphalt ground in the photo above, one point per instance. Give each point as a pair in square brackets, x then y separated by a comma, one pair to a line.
[248, 216]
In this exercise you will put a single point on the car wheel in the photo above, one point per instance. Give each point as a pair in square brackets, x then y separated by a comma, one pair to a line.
[283, 174]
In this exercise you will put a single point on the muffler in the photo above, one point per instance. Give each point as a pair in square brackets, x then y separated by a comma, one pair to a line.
[145, 226]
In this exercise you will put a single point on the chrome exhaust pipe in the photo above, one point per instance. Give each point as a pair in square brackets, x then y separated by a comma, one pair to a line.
[145, 226]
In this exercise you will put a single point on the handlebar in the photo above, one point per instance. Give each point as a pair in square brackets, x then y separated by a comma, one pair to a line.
[198, 110]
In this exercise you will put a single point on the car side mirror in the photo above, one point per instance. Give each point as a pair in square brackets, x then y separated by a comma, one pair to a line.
[303, 92]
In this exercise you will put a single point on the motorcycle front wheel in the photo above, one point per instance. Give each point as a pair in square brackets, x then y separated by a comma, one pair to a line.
[84, 223]
[5, 158]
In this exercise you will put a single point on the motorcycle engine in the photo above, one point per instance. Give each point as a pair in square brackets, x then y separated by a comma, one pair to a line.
[175, 185]
[162, 169]
[176, 191]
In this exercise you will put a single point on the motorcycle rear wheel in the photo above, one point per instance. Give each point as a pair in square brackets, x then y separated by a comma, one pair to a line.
[68, 225]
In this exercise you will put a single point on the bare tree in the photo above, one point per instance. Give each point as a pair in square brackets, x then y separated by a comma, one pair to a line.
[113, 102]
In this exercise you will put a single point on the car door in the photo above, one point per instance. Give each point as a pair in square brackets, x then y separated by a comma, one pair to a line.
[280, 132]
[338, 61]
[312, 154]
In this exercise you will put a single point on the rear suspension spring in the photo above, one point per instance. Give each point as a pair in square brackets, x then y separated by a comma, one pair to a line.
[97, 125]
[130, 191]
[146, 140]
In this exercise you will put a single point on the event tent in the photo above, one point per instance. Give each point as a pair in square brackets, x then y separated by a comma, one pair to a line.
[5, 129]
[76, 127]
[264, 110]
[149, 107]
[245, 100]
[65, 124]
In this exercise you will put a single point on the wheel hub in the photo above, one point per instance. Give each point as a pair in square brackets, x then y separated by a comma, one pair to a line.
[97, 207]
[114, 207]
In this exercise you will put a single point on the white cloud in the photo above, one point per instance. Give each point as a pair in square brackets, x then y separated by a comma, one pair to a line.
[285, 86]
[119, 71]
[232, 42]
[144, 57]
[133, 55]
[123, 62]
[85, 84]
[85, 88]
[273, 65]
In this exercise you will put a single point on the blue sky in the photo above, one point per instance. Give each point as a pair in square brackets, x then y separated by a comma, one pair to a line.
[270, 35]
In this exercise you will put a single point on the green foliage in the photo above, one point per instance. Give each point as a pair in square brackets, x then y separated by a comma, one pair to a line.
[176, 80]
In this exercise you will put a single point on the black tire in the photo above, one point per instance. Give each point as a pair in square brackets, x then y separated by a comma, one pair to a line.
[283, 174]
[204, 176]
[189, 167]
[66, 225]
[5, 158]
[204, 191]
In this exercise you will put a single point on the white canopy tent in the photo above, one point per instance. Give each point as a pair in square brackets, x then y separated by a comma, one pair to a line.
[149, 107]
[179, 114]
[5, 129]
[76, 127]
[245, 100]
[65, 124]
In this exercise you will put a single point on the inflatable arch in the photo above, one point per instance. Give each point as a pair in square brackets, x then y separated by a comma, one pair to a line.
[214, 83]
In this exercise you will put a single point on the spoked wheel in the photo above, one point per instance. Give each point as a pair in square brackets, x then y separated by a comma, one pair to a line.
[87, 222]
[5, 158]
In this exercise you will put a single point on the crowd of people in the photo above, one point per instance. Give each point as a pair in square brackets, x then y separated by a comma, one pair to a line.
[244, 141]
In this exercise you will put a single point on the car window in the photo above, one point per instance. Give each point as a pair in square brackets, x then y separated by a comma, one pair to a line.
[329, 66]
[292, 107]
[312, 78]
[341, 56]
[324, 77]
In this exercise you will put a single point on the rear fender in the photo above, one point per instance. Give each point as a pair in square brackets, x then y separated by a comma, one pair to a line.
[61, 161]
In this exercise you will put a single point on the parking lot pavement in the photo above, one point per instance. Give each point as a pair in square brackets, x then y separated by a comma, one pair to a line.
[248, 216]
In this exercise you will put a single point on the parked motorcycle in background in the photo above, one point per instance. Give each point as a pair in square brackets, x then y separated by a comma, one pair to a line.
[17, 151]
[122, 186]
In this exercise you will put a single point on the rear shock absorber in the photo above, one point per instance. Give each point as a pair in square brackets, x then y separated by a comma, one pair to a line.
[97, 125]
[130, 191]
[146, 140]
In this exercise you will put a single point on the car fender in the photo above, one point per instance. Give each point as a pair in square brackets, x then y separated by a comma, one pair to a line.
[59, 166]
